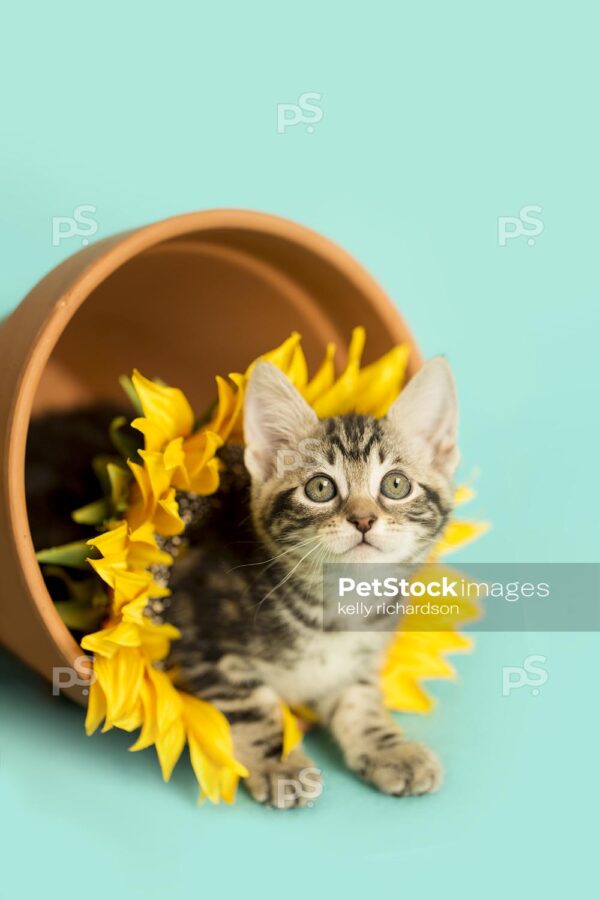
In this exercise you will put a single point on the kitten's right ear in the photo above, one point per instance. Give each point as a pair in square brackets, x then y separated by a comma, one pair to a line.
[426, 414]
[276, 417]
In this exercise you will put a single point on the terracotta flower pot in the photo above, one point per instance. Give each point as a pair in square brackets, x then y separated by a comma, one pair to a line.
[185, 298]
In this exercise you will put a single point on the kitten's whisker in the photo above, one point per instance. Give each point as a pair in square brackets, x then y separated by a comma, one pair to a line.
[287, 578]
[263, 562]
[314, 572]
[295, 547]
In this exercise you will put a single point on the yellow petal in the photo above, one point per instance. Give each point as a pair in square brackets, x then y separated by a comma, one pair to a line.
[212, 730]
[134, 610]
[120, 678]
[206, 480]
[463, 494]
[203, 444]
[130, 720]
[169, 746]
[235, 433]
[357, 345]
[149, 730]
[167, 520]
[108, 568]
[306, 714]
[454, 642]
[324, 377]
[292, 735]
[173, 456]
[154, 436]
[96, 708]
[339, 399]
[113, 542]
[199, 470]
[141, 555]
[144, 535]
[298, 370]
[421, 661]
[107, 642]
[168, 699]
[457, 534]
[379, 384]
[141, 500]
[282, 356]
[156, 640]
[229, 407]
[158, 475]
[127, 584]
[406, 695]
[207, 773]
[228, 785]
[166, 407]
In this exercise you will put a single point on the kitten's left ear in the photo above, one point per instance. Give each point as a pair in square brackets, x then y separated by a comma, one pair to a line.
[276, 417]
[426, 414]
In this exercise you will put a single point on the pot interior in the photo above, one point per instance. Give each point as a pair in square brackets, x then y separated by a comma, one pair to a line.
[193, 307]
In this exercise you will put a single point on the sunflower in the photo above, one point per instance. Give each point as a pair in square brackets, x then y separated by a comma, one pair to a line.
[132, 689]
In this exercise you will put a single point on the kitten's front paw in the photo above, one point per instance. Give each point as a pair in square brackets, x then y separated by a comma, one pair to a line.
[405, 769]
[285, 783]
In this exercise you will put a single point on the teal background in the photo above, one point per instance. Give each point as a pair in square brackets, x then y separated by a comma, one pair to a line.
[437, 119]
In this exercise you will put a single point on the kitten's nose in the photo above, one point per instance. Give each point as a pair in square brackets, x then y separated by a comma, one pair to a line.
[363, 523]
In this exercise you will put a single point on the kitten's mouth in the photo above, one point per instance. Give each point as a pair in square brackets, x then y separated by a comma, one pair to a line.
[359, 545]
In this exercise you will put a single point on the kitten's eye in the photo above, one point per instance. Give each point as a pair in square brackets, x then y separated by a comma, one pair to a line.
[395, 486]
[320, 489]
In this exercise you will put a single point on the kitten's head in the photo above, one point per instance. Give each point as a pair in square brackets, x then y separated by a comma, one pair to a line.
[351, 488]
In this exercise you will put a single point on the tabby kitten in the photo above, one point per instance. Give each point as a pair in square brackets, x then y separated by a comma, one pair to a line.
[247, 594]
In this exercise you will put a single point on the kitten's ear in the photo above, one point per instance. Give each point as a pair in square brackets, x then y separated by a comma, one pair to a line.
[275, 417]
[426, 414]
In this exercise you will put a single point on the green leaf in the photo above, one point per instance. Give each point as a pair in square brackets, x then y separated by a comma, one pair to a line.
[126, 442]
[93, 513]
[79, 590]
[100, 466]
[127, 385]
[205, 417]
[120, 478]
[87, 601]
[72, 555]
[115, 478]
[100, 599]
[78, 617]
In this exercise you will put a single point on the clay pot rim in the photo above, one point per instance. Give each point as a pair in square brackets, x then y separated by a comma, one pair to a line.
[105, 257]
